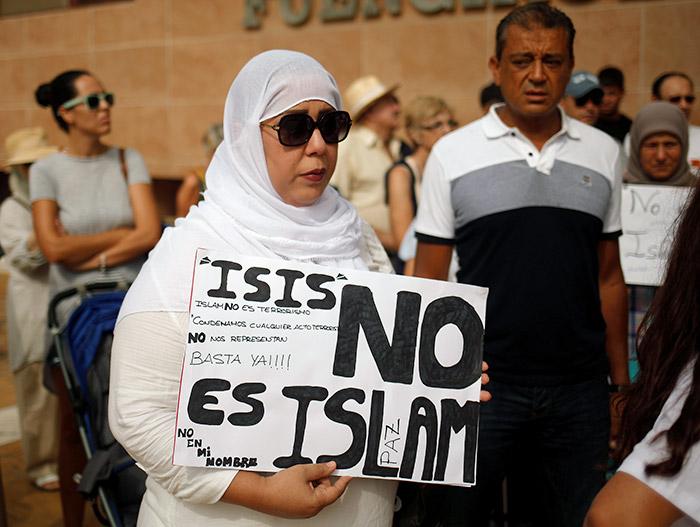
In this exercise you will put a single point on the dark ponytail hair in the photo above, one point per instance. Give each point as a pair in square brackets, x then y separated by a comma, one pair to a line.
[58, 91]
[669, 342]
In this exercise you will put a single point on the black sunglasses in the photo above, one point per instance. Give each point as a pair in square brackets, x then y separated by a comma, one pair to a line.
[595, 96]
[296, 129]
[690, 99]
[92, 101]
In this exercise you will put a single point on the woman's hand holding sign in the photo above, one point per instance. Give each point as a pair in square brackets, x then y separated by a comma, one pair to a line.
[301, 491]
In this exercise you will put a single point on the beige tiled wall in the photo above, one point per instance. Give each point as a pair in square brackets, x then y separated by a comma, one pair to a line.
[170, 62]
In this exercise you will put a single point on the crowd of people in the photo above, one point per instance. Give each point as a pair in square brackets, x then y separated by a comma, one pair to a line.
[525, 201]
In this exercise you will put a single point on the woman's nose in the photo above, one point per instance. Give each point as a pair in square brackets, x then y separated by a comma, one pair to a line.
[316, 143]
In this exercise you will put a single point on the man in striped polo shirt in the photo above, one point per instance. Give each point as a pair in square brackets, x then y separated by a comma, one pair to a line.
[530, 198]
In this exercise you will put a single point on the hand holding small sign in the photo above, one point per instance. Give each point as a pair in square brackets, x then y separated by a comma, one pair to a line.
[301, 491]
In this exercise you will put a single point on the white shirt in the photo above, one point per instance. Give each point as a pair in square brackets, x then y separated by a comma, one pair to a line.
[683, 489]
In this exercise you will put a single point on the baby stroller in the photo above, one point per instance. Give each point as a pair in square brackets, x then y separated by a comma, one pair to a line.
[83, 342]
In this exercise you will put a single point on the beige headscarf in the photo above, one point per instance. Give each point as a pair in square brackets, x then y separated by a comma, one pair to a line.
[659, 117]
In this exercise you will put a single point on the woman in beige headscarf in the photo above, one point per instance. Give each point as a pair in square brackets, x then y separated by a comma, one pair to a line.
[659, 147]
[27, 300]
[658, 154]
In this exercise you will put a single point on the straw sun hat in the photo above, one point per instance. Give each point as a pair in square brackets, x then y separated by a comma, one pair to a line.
[364, 92]
[26, 146]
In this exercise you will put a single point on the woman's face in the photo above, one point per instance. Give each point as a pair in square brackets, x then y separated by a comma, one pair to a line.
[434, 128]
[300, 174]
[93, 122]
[660, 155]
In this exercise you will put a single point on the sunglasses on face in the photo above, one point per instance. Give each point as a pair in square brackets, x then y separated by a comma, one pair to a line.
[595, 97]
[451, 124]
[296, 129]
[92, 100]
[690, 99]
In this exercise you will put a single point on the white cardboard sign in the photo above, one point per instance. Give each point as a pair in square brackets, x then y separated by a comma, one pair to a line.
[649, 213]
[290, 363]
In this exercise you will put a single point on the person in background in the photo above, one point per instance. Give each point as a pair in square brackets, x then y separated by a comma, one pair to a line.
[193, 183]
[659, 139]
[95, 219]
[582, 97]
[26, 308]
[371, 148]
[530, 198]
[490, 94]
[677, 88]
[658, 481]
[427, 119]
[610, 119]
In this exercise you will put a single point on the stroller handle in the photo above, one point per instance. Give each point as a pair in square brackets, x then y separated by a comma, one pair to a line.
[81, 290]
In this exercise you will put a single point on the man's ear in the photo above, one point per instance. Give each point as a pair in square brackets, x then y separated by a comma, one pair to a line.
[494, 64]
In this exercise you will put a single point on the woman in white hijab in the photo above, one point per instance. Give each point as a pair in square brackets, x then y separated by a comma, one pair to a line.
[266, 199]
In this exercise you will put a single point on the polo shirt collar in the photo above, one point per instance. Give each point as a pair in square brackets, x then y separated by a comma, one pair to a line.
[494, 127]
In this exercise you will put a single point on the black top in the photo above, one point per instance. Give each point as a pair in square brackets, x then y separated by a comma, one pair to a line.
[616, 128]
[412, 175]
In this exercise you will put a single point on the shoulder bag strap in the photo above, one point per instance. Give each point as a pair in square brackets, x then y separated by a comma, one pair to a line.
[122, 164]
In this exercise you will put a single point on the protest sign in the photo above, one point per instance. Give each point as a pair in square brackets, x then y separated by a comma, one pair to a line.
[648, 216]
[290, 363]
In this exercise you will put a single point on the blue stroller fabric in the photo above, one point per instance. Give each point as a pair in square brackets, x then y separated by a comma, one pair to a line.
[110, 471]
[95, 316]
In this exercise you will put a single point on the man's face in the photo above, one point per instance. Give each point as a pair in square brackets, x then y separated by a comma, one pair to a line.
[585, 108]
[533, 70]
[612, 96]
[677, 90]
[385, 112]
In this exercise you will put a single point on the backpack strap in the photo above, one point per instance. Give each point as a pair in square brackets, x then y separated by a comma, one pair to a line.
[122, 164]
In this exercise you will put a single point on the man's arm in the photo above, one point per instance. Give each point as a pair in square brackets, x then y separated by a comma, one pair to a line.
[433, 260]
[613, 299]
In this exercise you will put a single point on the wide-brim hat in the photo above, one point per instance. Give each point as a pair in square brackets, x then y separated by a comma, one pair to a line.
[364, 92]
[26, 146]
[582, 83]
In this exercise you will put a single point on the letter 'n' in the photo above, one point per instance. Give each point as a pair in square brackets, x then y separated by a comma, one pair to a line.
[395, 361]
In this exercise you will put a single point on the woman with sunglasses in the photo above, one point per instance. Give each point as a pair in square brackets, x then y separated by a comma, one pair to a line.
[95, 219]
[427, 119]
[268, 196]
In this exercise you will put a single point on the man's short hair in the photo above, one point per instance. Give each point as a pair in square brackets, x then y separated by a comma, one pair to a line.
[656, 85]
[537, 14]
[612, 76]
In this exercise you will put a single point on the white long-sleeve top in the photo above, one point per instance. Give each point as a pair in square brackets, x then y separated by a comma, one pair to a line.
[147, 355]
[28, 287]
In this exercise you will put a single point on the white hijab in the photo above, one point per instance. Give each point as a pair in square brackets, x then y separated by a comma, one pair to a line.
[241, 211]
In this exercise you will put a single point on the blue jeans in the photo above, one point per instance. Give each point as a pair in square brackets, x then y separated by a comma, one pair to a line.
[558, 434]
